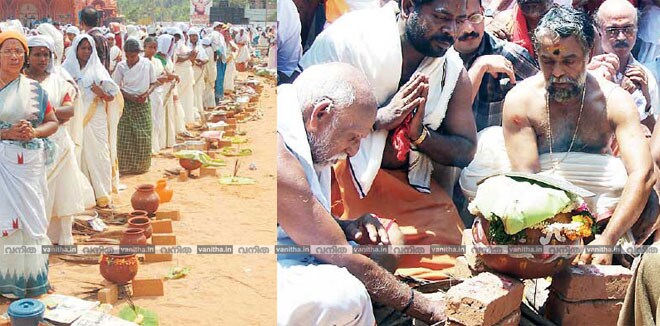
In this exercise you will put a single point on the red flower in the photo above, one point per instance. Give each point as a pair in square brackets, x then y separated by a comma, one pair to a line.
[20, 158]
[14, 223]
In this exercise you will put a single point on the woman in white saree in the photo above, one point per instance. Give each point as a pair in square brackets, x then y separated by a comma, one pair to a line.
[26, 120]
[101, 105]
[69, 192]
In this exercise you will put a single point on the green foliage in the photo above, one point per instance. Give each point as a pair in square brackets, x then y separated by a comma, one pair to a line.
[497, 234]
[158, 10]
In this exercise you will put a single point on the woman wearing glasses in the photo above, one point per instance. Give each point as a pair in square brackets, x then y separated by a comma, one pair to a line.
[26, 119]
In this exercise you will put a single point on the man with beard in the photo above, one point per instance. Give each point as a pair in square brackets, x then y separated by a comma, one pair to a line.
[323, 116]
[517, 25]
[617, 20]
[424, 122]
[559, 123]
[493, 65]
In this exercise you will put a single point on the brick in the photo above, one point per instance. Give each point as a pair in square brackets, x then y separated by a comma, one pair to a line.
[162, 226]
[475, 263]
[483, 300]
[155, 258]
[168, 211]
[591, 312]
[148, 287]
[163, 239]
[513, 319]
[109, 294]
[461, 269]
[592, 282]
[211, 172]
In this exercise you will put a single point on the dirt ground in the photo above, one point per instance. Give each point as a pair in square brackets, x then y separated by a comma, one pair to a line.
[220, 289]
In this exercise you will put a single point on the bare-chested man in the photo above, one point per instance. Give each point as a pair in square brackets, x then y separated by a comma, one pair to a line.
[561, 122]
[565, 110]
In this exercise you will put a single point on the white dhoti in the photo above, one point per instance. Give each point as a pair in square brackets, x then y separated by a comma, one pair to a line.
[230, 74]
[186, 90]
[179, 113]
[96, 163]
[603, 175]
[23, 220]
[198, 89]
[69, 191]
[158, 117]
[321, 295]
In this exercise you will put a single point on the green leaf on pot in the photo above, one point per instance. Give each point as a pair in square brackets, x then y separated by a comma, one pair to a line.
[519, 204]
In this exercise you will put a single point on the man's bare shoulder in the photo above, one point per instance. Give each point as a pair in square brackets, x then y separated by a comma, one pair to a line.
[525, 93]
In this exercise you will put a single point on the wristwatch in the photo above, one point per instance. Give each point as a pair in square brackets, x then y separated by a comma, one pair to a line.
[489, 12]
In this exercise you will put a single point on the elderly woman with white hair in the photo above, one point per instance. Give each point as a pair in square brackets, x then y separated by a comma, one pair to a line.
[69, 192]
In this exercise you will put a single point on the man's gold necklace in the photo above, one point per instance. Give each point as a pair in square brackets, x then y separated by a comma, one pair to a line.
[577, 127]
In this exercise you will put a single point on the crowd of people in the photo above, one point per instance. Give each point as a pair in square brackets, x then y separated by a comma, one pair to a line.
[84, 105]
[391, 114]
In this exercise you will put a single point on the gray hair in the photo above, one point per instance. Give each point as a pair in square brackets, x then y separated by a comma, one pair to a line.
[341, 83]
[132, 46]
[562, 22]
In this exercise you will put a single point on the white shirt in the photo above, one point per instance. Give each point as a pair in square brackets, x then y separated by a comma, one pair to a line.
[137, 79]
[289, 42]
[114, 53]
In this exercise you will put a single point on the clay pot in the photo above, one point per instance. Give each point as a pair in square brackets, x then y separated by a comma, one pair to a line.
[133, 236]
[143, 223]
[241, 66]
[164, 194]
[190, 164]
[119, 269]
[538, 266]
[145, 198]
[138, 213]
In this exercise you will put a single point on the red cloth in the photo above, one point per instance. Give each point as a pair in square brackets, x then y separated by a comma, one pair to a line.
[520, 33]
[400, 139]
[49, 108]
[66, 98]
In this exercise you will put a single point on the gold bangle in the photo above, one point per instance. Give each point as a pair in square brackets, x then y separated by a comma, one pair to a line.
[422, 137]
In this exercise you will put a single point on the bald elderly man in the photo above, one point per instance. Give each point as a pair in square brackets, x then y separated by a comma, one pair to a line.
[322, 117]
[617, 21]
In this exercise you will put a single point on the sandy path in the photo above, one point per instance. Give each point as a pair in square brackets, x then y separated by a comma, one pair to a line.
[220, 289]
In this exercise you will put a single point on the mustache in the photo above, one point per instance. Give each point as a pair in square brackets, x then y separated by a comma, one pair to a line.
[563, 80]
[444, 38]
[464, 37]
[621, 44]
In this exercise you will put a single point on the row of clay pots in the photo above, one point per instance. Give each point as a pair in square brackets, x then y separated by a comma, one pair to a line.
[120, 269]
